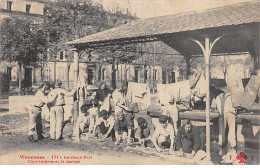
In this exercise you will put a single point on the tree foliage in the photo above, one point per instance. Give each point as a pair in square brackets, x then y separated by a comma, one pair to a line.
[68, 20]
[21, 41]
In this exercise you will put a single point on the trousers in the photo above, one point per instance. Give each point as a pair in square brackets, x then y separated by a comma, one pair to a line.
[230, 121]
[56, 122]
[35, 121]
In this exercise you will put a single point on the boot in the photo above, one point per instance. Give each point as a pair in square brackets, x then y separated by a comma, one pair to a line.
[40, 137]
[31, 139]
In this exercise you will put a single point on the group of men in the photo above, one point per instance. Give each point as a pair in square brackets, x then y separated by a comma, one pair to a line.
[54, 98]
[110, 114]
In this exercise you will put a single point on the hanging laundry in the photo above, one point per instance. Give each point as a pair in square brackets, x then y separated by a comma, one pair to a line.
[139, 93]
[182, 91]
[234, 84]
[164, 97]
[171, 111]
[250, 93]
[200, 87]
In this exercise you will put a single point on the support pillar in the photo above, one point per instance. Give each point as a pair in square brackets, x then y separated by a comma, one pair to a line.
[207, 52]
[76, 102]
[76, 66]
[257, 50]
[207, 62]
[187, 60]
[54, 77]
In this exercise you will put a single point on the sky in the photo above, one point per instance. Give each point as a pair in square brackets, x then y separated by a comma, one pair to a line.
[154, 8]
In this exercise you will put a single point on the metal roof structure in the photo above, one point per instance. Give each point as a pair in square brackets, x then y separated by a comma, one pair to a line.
[165, 27]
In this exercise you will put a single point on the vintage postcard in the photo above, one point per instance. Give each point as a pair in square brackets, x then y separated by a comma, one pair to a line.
[129, 82]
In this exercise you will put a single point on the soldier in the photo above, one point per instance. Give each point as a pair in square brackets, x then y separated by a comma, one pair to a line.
[163, 136]
[101, 94]
[142, 130]
[56, 97]
[35, 109]
[188, 139]
[104, 124]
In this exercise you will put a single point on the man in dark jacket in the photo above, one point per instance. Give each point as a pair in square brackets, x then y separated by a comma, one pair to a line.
[102, 93]
[188, 139]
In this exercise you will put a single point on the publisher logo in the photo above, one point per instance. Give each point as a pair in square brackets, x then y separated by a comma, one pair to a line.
[241, 157]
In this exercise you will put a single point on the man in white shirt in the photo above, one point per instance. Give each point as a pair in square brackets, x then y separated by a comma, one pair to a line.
[56, 97]
[163, 136]
[104, 124]
[35, 109]
[223, 103]
[86, 119]
[126, 119]
[119, 99]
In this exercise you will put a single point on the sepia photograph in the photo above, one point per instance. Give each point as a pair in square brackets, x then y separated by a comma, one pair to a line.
[129, 82]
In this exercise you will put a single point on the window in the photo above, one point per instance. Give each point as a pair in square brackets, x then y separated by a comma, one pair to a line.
[9, 73]
[28, 7]
[61, 56]
[99, 74]
[173, 77]
[9, 5]
[103, 74]
[155, 74]
[90, 76]
[136, 75]
[145, 75]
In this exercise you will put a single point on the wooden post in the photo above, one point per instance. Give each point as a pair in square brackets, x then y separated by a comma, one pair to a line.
[76, 66]
[257, 48]
[187, 60]
[75, 103]
[54, 77]
[207, 62]
[206, 52]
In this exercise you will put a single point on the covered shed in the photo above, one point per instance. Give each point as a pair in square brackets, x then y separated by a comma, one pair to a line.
[226, 30]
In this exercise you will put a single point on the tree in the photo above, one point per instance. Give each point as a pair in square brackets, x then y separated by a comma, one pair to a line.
[68, 20]
[21, 41]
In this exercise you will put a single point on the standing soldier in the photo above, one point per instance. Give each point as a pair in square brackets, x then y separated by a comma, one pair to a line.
[56, 96]
[35, 119]
[101, 94]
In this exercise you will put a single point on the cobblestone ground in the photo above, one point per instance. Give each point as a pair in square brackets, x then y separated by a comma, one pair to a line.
[13, 132]
[14, 143]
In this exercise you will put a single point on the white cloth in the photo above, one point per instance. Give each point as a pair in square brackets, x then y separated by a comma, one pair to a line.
[223, 103]
[179, 91]
[105, 105]
[171, 111]
[234, 83]
[200, 88]
[139, 93]
[163, 94]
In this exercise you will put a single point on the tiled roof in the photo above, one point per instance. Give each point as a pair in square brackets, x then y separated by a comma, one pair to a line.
[237, 14]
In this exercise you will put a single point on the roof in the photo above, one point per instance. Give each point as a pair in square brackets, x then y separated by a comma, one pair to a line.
[237, 14]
